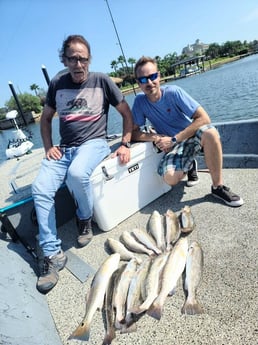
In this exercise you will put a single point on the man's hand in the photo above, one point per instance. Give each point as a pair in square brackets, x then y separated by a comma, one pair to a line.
[123, 153]
[54, 153]
[164, 143]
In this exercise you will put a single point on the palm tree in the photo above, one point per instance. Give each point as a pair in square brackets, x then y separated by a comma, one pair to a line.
[131, 61]
[34, 87]
[122, 61]
[114, 65]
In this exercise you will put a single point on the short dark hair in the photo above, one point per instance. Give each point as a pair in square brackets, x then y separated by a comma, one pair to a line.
[142, 61]
[71, 39]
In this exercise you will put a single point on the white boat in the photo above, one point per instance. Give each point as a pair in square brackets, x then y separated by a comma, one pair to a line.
[19, 144]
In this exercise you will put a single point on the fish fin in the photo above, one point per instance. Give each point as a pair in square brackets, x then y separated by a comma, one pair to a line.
[154, 311]
[82, 332]
[109, 337]
[192, 308]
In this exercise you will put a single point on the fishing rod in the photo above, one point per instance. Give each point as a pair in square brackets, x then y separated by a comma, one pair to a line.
[119, 42]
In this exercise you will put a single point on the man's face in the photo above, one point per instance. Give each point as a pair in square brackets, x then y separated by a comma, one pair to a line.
[148, 79]
[77, 60]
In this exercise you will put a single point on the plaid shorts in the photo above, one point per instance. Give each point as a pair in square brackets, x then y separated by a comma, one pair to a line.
[180, 158]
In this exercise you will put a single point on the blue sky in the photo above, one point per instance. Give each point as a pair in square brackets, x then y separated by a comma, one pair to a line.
[32, 32]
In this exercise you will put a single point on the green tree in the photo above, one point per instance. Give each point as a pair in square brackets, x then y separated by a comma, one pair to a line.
[34, 87]
[27, 101]
[131, 61]
[114, 65]
[122, 61]
[213, 51]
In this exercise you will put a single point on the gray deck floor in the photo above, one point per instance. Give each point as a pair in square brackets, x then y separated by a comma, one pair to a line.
[228, 291]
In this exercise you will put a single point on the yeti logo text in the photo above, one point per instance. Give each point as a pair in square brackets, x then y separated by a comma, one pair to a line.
[133, 168]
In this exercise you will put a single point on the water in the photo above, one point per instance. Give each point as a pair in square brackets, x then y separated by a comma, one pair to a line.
[229, 92]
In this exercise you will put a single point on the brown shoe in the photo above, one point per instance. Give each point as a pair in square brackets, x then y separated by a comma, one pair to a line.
[49, 269]
[85, 232]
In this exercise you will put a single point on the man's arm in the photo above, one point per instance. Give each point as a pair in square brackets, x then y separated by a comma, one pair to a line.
[200, 118]
[125, 111]
[46, 133]
[164, 142]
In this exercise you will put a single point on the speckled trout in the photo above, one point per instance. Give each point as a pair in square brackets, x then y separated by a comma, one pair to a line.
[96, 295]
[194, 268]
[120, 293]
[118, 247]
[172, 228]
[152, 282]
[173, 269]
[156, 229]
[145, 238]
[186, 220]
[131, 243]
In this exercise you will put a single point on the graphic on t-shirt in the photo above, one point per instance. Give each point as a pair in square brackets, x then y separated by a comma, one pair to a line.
[78, 104]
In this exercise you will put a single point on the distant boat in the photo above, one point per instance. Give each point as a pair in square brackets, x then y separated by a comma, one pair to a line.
[19, 144]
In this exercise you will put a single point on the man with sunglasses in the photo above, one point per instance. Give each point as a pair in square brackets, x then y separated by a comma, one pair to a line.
[182, 129]
[81, 100]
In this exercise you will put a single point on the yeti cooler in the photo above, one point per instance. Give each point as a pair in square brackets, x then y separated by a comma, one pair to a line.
[121, 190]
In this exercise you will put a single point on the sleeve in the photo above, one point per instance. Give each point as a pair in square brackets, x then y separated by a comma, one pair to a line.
[113, 93]
[185, 102]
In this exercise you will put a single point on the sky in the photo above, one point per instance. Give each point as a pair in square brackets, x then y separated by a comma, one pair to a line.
[32, 32]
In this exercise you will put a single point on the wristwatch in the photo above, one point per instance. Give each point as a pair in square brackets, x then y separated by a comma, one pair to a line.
[127, 144]
[174, 140]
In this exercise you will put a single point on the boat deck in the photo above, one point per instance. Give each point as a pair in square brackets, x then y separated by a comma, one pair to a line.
[228, 291]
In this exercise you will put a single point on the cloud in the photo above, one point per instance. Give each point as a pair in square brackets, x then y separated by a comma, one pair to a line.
[252, 16]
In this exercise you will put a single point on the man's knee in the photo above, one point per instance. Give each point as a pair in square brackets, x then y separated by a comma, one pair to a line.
[211, 135]
[173, 177]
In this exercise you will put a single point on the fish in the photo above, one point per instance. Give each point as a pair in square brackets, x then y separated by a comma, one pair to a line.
[172, 228]
[156, 229]
[194, 269]
[186, 220]
[173, 269]
[134, 297]
[131, 243]
[110, 333]
[120, 293]
[118, 247]
[96, 295]
[146, 239]
[152, 283]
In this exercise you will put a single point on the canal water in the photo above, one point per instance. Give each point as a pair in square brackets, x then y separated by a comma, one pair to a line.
[229, 92]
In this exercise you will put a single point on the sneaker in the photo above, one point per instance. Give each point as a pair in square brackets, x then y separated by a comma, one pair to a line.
[85, 232]
[49, 269]
[192, 175]
[224, 193]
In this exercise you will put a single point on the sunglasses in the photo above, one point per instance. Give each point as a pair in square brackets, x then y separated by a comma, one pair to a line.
[144, 80]
[74, 60]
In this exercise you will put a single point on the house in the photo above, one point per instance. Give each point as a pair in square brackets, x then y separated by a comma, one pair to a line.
[198, 48]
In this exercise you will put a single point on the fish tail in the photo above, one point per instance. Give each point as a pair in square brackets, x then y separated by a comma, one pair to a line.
[155, 311]
[109, 337]
[82, 332]
[192, 308]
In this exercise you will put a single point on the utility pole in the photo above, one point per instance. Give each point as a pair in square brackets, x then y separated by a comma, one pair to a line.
[17, 102]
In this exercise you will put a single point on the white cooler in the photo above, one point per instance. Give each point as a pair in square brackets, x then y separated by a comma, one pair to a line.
[121, 190]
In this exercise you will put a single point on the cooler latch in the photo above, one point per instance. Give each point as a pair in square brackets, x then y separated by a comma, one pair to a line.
[106, 174]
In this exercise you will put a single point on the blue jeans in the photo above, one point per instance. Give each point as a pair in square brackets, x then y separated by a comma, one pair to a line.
[75, 169]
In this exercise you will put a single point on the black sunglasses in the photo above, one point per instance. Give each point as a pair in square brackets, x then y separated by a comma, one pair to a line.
[74, 59]
[144, 80]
